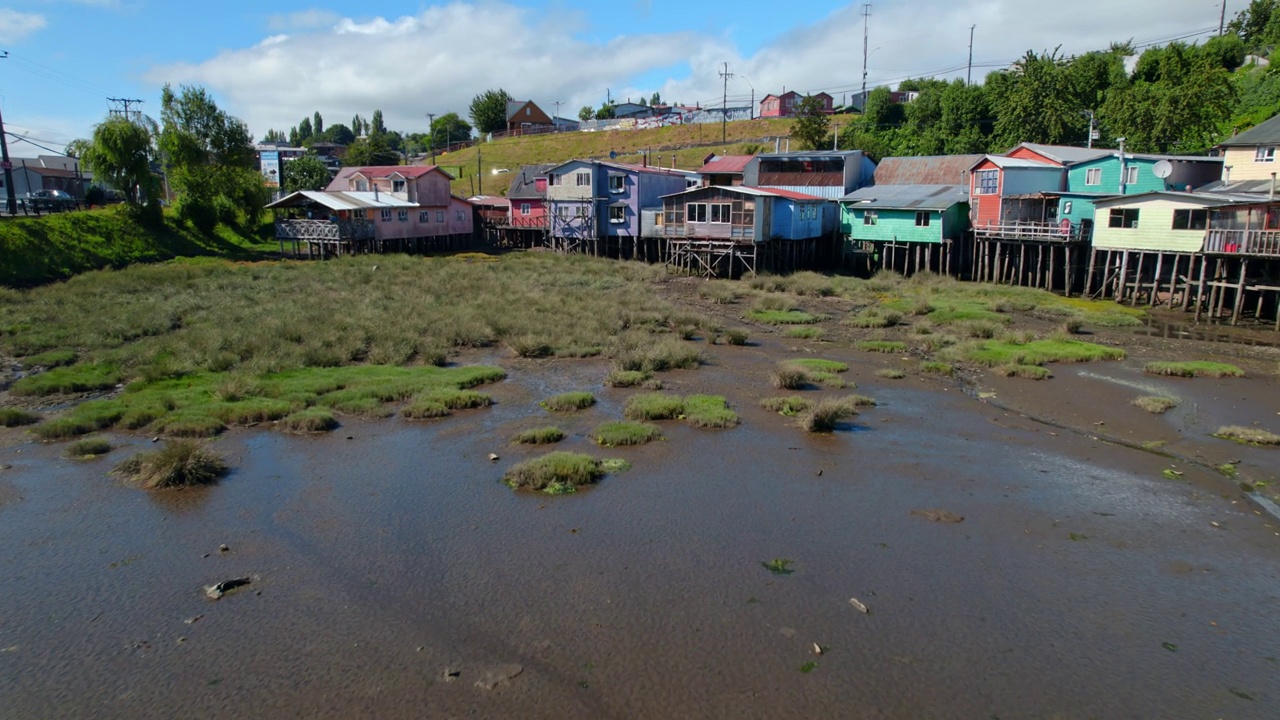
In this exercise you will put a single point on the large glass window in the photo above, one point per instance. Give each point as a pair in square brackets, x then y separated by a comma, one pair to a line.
[988, 182]
[1190, 219]
[1123, 218]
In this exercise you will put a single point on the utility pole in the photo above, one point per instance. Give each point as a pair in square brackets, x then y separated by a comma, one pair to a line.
[126, 102]
[866, 16]
[479, 173]
[1222, 18]
[1092, 126]
[968, 76]
[431, 136]
[558, 103]
[11, 198]
[724, 105]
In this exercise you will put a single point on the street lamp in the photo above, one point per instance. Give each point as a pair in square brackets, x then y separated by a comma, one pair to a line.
[753, 95]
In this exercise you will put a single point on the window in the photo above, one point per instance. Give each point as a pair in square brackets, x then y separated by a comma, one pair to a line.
[617, 214]
[695, 212]
[988, 182]
[580, 211]
[1265, 154]
[721, 213]
[459, 215]
[402, 215]
[922, 218]
[397, 186]
[524, 208]
[362, 186]
[616, 183]
[1131, 175]
[562, 212]
[553, 180]
[1123, 218]
[870, 217]
[440, 216]
[1190, 219]
[386, 215]
[424, 216]
[1093, 176]
[358, 214]
[583, 179]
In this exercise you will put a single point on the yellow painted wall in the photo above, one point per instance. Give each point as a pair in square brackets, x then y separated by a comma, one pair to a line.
[1243, 166]
[1155, 228]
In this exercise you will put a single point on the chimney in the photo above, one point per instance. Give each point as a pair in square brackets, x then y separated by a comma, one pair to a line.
[1271, 194]
[1226, 175]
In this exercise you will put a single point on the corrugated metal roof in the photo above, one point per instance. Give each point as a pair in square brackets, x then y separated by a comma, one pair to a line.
[927, 170]
[1239, 186]
[825, 192]
[342, 200]
[1264, 133]
[523, 186]
[1202, 198]
[908, 197]
[726, 164]
[754, 191]
[1001, 161]
[1065, 154]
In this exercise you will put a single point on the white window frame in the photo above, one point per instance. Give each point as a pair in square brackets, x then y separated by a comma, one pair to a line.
[386, 214]
[525, 208]
[562, 212]
[617, 214]
[582, 179]
[1093, 176]
[1265, 154]
[620, 182]
[720, 213]
[870, 217]
[924, 215]
[1131, 175]
[402, 215]
[439, 216]
[695, 212]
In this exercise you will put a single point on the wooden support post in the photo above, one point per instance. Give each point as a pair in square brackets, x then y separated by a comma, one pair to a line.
[1088, 277]
[1239, 299]
[1123, 277]
[1155, 282]
[1204, 262]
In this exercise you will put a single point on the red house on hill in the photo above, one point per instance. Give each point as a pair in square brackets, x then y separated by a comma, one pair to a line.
[785, 105]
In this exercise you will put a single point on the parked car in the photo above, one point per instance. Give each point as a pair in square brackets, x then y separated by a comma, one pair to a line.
[51, 200]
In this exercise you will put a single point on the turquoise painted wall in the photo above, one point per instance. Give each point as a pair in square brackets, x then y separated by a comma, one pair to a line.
[892, 225]
[1110, 181]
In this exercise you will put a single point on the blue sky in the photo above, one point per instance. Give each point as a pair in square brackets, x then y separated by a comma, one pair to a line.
[272, 63]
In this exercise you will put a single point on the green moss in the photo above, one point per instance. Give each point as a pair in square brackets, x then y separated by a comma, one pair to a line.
[1194, 368]
[625, 378]
[310, 420]
[624, 433]
[570, 401]
[88, 448]
[1038, 352]
[820, 365]
[890, 374]
[67, 380]
[881, 346]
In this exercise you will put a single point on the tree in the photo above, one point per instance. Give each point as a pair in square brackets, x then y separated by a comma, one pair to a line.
[811, 125]
[1179, 102]
[606, 112]
[376, 127]
[1226, 51]
[306, 173]
[655, 99]
[304, 130]
[489, 111]
[119, 154]
[448, 129]
[295, 139]
[317, 124]
[274, 136]
[211, 160]
[586, 113]
[1251, 24]
[1039, 103]
[338, 133]
[641, 101]
[371, 150]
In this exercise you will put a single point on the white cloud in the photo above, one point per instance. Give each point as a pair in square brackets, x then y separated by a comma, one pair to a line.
[437, 60]
[14, 25]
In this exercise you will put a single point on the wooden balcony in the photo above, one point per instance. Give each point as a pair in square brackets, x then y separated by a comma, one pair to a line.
[1032, 231]
[324, 230]
[1264, 243]
[735, 233]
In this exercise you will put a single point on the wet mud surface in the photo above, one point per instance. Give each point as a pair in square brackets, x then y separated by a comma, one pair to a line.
[393, 575]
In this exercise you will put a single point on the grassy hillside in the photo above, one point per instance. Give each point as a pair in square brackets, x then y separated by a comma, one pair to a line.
[689, 143]
[39, 250]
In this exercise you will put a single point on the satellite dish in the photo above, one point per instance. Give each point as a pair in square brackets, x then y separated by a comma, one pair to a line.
[1162, 169]
[613, 154]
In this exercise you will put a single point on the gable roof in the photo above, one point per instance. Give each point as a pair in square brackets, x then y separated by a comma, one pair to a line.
[378, 172]
[1004, 163]
[342, 200]
[928, 170]
[755, 191]
[1065, 154]
[1200, 198]
[523, 185]
[1265, 133]
[726, 164]
[908, 197]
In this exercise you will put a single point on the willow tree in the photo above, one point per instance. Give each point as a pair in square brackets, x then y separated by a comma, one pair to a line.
[119, 155]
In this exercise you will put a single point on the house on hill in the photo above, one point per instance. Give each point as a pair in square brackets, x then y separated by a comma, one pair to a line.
[785, 105]
[524, 116]
[374, 209]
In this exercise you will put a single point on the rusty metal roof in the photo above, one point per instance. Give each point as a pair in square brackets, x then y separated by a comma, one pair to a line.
[726, 164]
[909, 197]
[927, 170]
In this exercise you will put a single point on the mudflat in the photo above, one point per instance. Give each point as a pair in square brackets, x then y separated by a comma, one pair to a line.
[1023, 548]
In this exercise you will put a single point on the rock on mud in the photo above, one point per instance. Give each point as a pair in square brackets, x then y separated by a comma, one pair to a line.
[942, 516]
[215, 592]
[495, 676]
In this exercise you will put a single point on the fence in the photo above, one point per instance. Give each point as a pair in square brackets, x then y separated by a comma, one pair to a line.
[693, 117]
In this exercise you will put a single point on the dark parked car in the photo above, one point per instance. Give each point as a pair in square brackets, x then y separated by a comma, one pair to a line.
[51, 200]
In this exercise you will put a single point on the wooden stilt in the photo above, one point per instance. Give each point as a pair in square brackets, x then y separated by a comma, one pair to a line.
[1239, 299]
[1155, 282]
[1123, 277]
[1088, 276]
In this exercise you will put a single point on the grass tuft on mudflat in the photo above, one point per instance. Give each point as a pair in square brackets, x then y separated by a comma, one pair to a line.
[625, 378]
[88, 448]
[179, 464]
[17, 417]
[881, 346]
[709, 411]
[539, 436]
[1194, 368]
[890, 374]
[1036, 352]
[626, 433]
[1248, 435]
[653, 406]
[788, 406]
[310, 420]
[827, 414]
[570, 401]
[1155, 404]
[555, 473]
[1030, 372]
[784, 317]
[804, 333]
[67, 380]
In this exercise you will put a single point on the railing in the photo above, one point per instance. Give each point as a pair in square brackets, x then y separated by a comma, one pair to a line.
[1031, 230]
[1243, 242]
[519, 221]
[341, 230]
[734, 232]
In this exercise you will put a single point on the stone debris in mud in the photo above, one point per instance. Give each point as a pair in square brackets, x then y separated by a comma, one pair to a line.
[215, 592]
[859, 606]
[496, 676]
[942, 516]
